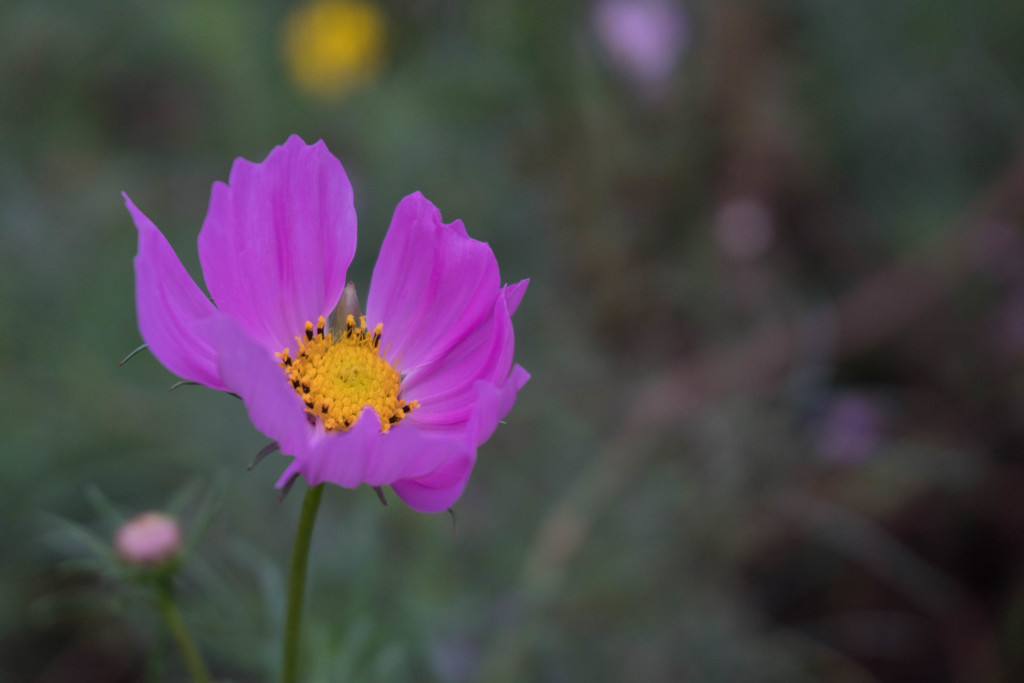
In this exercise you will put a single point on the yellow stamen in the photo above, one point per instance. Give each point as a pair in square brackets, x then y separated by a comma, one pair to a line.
[338, 374]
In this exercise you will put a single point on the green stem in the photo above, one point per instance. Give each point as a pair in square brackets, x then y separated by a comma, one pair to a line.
[297, 584]
[179, 631]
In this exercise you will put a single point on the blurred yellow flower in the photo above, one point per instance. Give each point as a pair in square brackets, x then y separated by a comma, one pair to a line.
[332, 46]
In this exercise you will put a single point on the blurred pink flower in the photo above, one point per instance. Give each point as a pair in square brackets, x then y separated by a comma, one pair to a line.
[744, 229]
[644, 38]
[852, 428]
[404, 402]
[1008, 327]
[149, 539]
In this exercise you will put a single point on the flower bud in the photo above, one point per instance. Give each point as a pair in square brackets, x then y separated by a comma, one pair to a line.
[347, 305]
[149, 539]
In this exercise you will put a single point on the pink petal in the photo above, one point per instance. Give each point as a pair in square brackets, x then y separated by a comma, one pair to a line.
[364, 455]
[278, 239]
[428, 468]
[437, 491]
[337, 457]
[440, 489]
[494, 403]
[252, 373]
[445, 389]
[432, 285]
[170, 307]
[407, 451]
[514, 294]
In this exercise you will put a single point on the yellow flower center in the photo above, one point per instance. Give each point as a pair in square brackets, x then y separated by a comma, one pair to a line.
[338, 374]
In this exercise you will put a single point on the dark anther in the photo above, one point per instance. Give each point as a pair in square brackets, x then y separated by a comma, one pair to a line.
[393, 419]
[287, 360]
[309, 404]
[295, 383]
[309, 333]
[406, 409]
[305, 388]
[320, 329]
[323, 408]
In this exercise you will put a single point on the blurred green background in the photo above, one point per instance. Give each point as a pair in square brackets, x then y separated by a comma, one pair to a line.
[775, 327]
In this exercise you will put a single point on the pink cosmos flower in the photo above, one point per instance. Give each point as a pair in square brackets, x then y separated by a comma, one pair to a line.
[400, 397]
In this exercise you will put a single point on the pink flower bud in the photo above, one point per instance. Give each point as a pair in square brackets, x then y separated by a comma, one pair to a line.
[148, 539]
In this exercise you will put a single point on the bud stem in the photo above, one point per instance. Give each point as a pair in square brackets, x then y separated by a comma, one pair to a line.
[179, 631]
